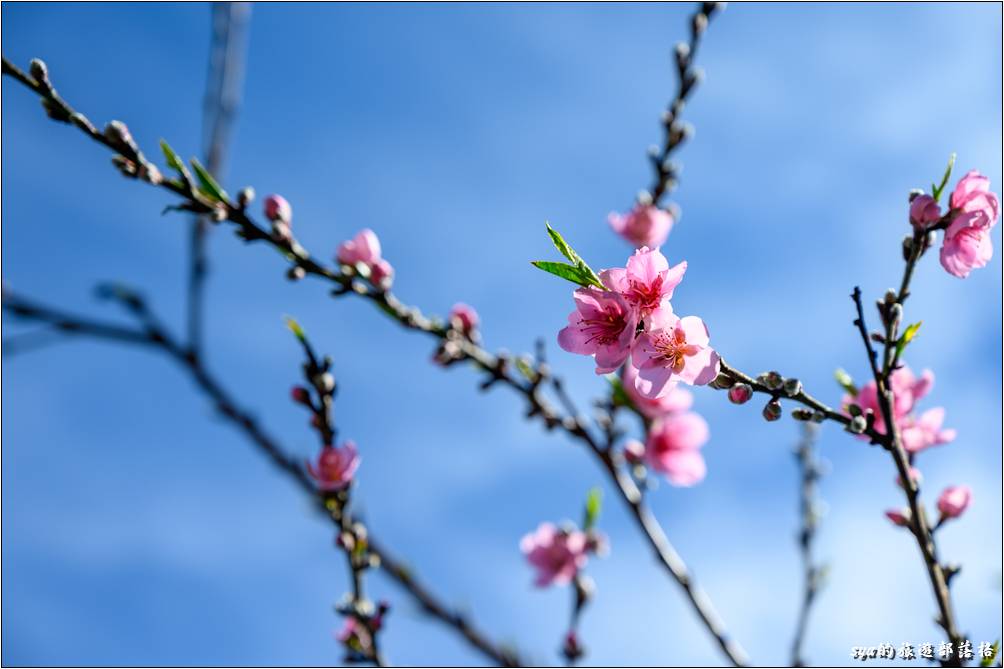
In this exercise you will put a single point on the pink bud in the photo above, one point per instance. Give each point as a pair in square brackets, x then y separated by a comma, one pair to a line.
[899, 517]
[277, 209]
[924, 211]
[634, 451]
[300, 395]
[381, 273]
[740, 393]
[464, 318]
[954, 500]
[335, 467]
[645, 225]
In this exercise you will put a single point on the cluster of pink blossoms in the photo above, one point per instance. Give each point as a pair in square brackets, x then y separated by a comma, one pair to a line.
[558, 553]
[630, 320]
[675, 435]
[974, 211]
[363, 250]
[916, 433]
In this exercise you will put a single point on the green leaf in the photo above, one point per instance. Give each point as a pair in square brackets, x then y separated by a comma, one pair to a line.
[295, 328]
[173, 160]
[594, 501]
[907, 336]
[209, 185]
[525, 369]
[937, 191]
[567, 272]
[566, 250]
[989, 661]
[618, 395]
[845, 381]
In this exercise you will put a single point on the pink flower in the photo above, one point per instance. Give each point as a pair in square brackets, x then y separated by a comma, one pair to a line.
[673, 448]
[675, 400]
[277, 209]
[918, 434]
[672, 349]
[363, 248]
[967, 244]
[972, 193]
[924, 211]
[899, 517]
[645, 225]
[335, 466]
[381, 273]
[464, 318]
[556, 554]
[954, 500]
[603, 325]
[647, 281]
[907, 390]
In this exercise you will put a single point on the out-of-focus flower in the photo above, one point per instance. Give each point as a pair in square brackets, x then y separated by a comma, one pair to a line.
[555, 553]
[277, 209]
[645, 225]
[335, 467]
[924, 211]
[673, 349]
[673, 448]
[967, 245]
[674, 400]
[647, 280]
[464, 318]
[363, 248]
[924, 432]
[899, 517]
[907, 390]
[603, 325]
[954, 500]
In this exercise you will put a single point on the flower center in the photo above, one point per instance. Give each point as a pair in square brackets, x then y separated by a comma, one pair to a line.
[674, 349]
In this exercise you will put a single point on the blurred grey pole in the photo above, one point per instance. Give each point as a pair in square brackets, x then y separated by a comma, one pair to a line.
[224, 86]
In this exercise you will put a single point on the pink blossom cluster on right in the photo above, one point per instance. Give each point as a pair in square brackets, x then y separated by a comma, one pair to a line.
[973, 213]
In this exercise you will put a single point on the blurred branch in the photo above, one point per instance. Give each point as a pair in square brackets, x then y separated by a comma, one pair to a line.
[810, 468]
[676, 132]
[223, 95]
[150, 333]
[498, 369]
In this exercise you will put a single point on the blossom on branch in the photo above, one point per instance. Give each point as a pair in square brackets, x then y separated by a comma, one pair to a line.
[673, 349]
[954, 500]
[603, 325]
[335, 467]
[967, 244]
[647, 281]
[673, 448]
[556, 553]
[645, 225]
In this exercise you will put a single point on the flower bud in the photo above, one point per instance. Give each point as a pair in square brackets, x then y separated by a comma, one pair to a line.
[914, 194]
[772, 411]
[327, 382]
[772, 380]
[858, 424]
[245, 196]
[907, 247]
[300, 395]
[296, 273]
[277, 209]
[924, 211]
[900, 517]
[792, 387]
[954, 500]
[634, 451]
[740, 393]
[802, 414]
[464, 318]
[39, 71]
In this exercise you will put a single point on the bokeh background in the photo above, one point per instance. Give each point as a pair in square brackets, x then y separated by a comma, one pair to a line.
[140, 528]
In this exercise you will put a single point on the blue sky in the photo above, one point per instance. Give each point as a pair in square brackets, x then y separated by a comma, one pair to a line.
[139, 528]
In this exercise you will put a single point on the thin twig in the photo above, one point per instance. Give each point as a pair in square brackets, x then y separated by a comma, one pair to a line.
[151, 335]
[498, 368]
[813, 574]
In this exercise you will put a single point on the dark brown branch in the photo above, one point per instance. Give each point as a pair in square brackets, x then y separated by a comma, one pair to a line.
[153, 336]
[497, 368]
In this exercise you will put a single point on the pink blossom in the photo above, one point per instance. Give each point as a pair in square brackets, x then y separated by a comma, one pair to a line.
[363, 248]
[972, 193]
[634, 451]
[907, 390]
[924, 432]
[335, 466]
[645, 225]
[350, 629]
[647, 281]
[899, 517]
[924, 211]
[954, 500]
[603, 325]
[672, 349]
[381, 273]
[673, 447]
[277, 209]
[967, 244]
[556, 554]
[675, 399]
[464, 317]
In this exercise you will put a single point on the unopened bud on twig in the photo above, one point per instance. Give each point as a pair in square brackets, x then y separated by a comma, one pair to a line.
[802, 414]
[857, 425]
[772, 411]
[792, 387]
[39, 72]
[740, 393]
[245, 197]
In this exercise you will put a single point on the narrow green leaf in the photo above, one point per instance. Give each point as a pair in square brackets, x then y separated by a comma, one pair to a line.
[907, 336]
[936, 192]
[566, 250]
[845, 381]
[568, 272]
[295, 328]
[173, 160]
[525, 369]
[209, 185]
[594, 501]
